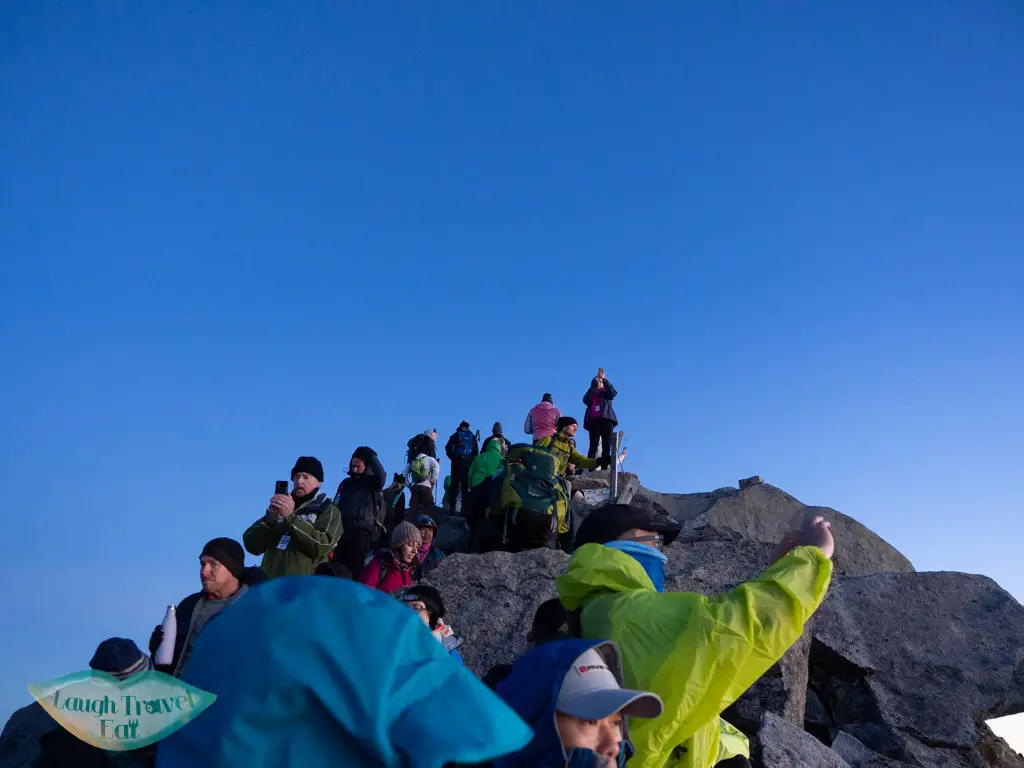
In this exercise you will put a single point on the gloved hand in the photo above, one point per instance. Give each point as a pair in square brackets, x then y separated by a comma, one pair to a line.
[155, 639]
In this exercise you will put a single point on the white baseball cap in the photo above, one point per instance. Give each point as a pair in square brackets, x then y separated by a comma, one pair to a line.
[591, 690]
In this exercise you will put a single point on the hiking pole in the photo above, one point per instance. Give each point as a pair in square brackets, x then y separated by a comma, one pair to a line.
[613, 481]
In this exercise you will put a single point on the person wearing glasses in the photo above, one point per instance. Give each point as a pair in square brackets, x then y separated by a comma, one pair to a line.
[698, 653]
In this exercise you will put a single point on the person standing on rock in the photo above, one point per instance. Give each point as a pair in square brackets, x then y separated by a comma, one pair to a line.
[461, 449]
[361, 502]
[600, 420]
[423, 473]
[541, 420]
[571, 693]
[298, 531]
[497, 436]
[394, 502]
[698, 653]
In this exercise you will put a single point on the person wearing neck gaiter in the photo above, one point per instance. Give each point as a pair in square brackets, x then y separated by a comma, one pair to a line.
[298, 530]
[698, 653]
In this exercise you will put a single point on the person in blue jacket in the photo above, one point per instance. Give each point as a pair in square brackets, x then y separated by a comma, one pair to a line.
[571, 694]
[311, 671]
[427, 602]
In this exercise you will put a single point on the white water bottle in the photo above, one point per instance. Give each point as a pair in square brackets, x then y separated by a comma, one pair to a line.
[165, 653]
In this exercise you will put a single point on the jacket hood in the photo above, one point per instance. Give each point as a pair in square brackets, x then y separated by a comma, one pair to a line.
[531, 689]
[596, 570]
[298, 696]
[493, 447]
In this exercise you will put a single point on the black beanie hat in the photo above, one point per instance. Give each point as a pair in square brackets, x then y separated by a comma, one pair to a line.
[464, 425]
[120, 657]
[497, 428]
[609, 522]
[310, 465]
[564, 422]
[365, 454]
[547, 398]
[430, 597]
[228, 553]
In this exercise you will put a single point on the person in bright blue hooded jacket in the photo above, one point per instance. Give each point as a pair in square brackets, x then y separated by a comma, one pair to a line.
[310, 671]
[571, 694]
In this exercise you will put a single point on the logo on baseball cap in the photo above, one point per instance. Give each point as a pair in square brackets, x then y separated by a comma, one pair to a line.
[591, 690]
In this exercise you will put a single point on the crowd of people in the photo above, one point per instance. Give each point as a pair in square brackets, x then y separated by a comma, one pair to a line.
[616, 669]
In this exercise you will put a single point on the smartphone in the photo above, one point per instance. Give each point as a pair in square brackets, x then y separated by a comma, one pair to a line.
[281, 487]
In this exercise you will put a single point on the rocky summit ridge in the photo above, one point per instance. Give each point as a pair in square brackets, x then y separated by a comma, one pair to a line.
[898, 668]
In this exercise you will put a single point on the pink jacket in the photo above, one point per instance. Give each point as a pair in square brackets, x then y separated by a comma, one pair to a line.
[540, 421]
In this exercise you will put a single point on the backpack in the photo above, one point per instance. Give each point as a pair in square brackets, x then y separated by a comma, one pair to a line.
[532, 495]
[419, 469]
[464, 442]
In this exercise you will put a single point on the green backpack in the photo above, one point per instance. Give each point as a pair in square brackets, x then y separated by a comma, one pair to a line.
[532, 494]
[419, 470]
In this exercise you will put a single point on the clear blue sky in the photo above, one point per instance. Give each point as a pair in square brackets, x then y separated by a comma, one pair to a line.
[235, 234]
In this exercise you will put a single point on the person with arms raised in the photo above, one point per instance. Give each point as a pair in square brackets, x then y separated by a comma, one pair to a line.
[600, 419]
[298, 531]
[698, 653]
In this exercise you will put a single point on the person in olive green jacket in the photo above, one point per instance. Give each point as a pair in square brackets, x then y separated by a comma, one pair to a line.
[298, 531]
[698, 653]
[563, 445]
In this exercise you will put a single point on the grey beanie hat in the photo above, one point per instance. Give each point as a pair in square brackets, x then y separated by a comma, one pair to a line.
[405, 532]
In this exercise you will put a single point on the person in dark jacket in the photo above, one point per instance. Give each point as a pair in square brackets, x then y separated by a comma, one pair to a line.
[59, 748]
[497, 435]
[394, 503]
[462, 447]
[361, 503]
[600, 420]
[571, 693]
[298, 531]
[225, 579]
[428, 557]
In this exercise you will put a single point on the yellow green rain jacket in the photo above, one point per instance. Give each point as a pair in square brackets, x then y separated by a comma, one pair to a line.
[697, 653]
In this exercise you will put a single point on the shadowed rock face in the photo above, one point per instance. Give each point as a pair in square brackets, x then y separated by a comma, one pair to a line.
[896, 669]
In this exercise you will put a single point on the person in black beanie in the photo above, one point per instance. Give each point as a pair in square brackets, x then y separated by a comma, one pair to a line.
[299, 530]
[497, 433]
[361, 505]
[225, 579]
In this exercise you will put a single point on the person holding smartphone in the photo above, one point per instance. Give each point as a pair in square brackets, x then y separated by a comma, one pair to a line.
[299, 530]
[600, 419]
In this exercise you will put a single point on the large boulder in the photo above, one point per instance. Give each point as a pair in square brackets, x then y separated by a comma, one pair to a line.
[782, 745]
[490, 600]
[763, 513]
[859, 756]
[19, 741]
[912, 664]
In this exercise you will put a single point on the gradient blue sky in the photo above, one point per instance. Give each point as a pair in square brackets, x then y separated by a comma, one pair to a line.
[234, 233]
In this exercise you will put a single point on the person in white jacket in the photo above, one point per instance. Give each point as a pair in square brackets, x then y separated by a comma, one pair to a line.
[423, 473]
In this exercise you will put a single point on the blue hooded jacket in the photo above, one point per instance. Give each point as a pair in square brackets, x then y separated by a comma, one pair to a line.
[311, 671]
[532, 689]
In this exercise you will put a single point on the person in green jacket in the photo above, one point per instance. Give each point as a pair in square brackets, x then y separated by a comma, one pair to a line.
[698, 653]
[298, 531]
[486, 463]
